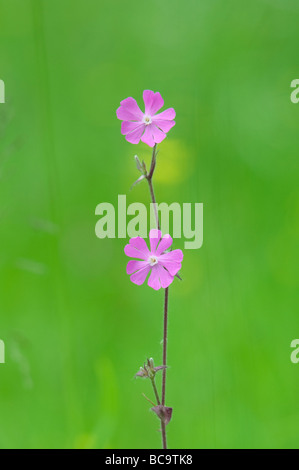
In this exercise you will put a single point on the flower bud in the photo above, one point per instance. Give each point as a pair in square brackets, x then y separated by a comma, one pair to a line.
[138, 164]
[149, 370]
[163, 412]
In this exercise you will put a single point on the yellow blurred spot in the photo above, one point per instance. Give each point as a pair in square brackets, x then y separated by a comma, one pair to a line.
[174, 162]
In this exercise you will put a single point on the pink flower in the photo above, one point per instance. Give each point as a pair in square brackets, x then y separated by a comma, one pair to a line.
[150, 127]
[162, 265]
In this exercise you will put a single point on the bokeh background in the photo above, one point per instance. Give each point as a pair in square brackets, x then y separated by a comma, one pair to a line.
[75, 329]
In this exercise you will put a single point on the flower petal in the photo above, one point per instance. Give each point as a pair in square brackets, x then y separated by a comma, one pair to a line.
[174, 255]
[158, 135]
[123, 114]
[133, 253]
[157, 103]
[148, 100]
[129, 110]
[165, 277]
[152, 135]
[134, 136]
[140, 276]
[167, 115]
[152, 101]
[172, 267]
[140, 244]
[129, 126]
[172, 261]
[134, 266]
[165, 126]
[154, 236]
[154, 280]
[165, 243]
[147, 137]
[159, 277]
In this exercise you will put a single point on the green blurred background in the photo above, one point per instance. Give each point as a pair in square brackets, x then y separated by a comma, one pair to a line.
[75, 328]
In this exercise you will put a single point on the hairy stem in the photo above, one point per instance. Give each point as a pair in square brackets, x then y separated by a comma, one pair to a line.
[149, 178]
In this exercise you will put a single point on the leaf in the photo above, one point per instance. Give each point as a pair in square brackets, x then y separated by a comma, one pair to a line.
[138, 181]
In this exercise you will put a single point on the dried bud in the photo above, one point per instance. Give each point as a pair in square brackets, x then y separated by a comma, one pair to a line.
[144, 168]
[164, 413]
[140, 166]
[141, 373]
[138, 163]
[150, 362]
[149, 370]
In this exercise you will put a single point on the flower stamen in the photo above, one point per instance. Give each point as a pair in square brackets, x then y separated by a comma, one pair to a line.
[147, 120]
[153, 260]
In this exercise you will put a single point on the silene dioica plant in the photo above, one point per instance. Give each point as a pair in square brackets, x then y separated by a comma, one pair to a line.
[158, 260]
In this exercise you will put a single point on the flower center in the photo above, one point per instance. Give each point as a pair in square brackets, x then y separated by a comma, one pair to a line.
[147, 120]
[153, 260]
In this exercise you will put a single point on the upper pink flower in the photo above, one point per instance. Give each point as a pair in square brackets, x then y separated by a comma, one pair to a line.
[150, 127]
[163, 265]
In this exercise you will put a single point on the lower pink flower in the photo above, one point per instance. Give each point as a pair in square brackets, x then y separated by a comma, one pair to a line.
[161, 264]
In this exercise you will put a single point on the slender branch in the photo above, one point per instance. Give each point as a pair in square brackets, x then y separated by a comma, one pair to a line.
[155, 391]
[154, 203]
[150, 401]
[149, 178]
[163, 431]
[163, 426]
[165, 345]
